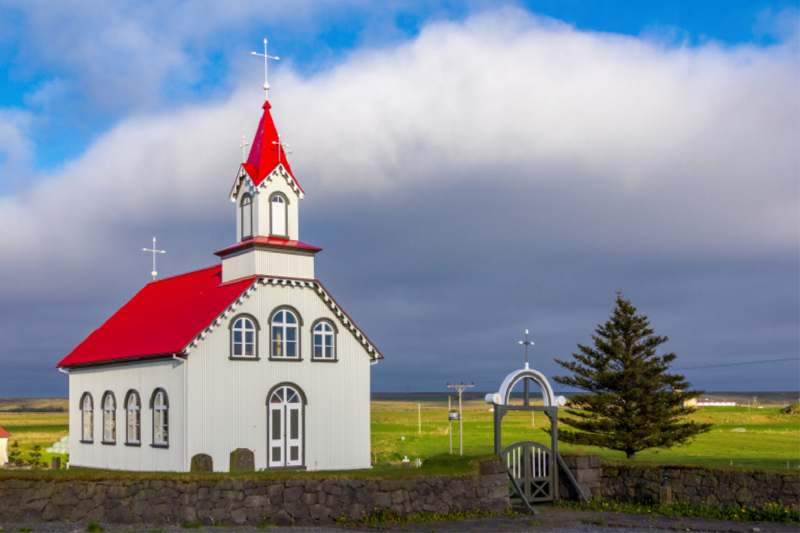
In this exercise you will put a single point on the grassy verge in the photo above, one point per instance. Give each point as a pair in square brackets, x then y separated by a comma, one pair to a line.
[771, 512]
[443, 465]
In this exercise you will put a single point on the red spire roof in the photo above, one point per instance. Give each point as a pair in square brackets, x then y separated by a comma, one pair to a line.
[264, 154]
[4, 433]
[161, 319]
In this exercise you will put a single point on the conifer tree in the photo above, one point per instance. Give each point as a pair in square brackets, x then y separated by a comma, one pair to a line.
[632, 402]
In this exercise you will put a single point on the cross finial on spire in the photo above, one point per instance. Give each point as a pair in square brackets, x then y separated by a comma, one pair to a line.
[526, 343]
[243, 146]
[265, 56]
[154, 273]
[281, 145]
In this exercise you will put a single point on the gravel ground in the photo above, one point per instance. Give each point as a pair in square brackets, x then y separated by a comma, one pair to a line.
[548, 519]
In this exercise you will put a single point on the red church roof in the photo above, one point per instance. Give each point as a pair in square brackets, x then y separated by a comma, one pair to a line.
[161, 319]
[265, 154]
[4, 433]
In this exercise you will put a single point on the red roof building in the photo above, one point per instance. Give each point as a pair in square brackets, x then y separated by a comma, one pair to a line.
[251, 354]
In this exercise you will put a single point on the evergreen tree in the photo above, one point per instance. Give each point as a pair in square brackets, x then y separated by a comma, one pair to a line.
[633, 402]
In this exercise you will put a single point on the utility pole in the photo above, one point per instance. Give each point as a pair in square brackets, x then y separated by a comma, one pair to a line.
[419, 417]
[450, 424]
[460, 388]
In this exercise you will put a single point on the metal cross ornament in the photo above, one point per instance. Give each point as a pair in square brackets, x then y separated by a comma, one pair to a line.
[281, 146]
[155, 251]
[526, 343]
[265, 56]
[244, 145]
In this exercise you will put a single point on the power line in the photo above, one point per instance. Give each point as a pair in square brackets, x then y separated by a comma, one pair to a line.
[741, 363]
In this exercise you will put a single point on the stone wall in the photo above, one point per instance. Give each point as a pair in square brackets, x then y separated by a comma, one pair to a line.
[714, 487]
[251, 501]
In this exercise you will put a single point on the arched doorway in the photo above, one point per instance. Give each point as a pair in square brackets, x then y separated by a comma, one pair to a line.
[285, 427]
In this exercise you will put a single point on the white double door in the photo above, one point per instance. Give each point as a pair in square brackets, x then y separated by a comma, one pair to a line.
[285, 422]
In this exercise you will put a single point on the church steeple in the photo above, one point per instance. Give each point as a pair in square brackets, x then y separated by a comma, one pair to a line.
[267, 195]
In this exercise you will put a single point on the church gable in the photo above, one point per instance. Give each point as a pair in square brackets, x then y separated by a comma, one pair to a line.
[287, 294]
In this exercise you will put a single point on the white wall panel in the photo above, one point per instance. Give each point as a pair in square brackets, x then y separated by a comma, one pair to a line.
[144, 377]
[226, 402]
[268, 263]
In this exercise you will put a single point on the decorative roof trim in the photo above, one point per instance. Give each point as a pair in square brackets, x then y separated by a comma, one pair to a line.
[254, 189]
[298, 283]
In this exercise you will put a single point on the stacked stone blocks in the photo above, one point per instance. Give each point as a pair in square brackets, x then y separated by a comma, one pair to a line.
[248, 502]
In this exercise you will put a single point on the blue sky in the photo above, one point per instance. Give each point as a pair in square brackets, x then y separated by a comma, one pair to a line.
[474, 169]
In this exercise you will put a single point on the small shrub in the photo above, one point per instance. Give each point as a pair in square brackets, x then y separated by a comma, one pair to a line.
[791, 409]
[94, 527]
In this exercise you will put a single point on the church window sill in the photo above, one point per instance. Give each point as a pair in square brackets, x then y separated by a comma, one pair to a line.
[87, 442]
[286, 359]
[134, 444]
[109, 442]
[323, 360]
[159, 445]
[240, 358]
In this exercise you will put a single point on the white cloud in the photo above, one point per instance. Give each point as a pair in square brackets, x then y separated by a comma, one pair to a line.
[696, 146]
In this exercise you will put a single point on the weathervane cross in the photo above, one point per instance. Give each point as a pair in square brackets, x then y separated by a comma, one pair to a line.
[281, 146]
[265, 56]
[155, 251]
[526, 343]
[244, 145]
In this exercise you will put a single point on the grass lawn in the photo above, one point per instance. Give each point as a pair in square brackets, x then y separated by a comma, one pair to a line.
[770, 440]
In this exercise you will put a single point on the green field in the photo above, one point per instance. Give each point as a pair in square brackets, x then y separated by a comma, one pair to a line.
[770, 441]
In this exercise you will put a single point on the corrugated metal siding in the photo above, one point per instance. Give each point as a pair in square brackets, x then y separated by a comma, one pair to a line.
[144, 377]
[227, 398]
[267, 263]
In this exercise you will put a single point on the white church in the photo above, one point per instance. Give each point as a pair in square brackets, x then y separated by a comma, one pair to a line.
[252, 353]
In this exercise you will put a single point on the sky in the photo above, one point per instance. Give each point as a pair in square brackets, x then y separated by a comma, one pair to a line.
[472, 169]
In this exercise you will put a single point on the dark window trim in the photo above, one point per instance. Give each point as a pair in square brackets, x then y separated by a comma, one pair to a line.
[257, 327]
[285, 213]
[134, 444]
[109, 442]
[128, 397]
[83, 421]
[335, 357]
[106, 394]
[153, 417]
[246, 196]
[299, 318]
[286, 359]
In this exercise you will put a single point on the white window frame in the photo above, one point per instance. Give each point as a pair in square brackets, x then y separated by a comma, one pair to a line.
[328, 341]
[247, 208]
[160, 419]
[243, 330]
[109, 419]
[133, 409]
[278, 334]
[87, 411]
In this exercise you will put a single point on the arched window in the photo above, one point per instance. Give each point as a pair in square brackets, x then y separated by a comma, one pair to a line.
[109, 418]
[133, 407]
[160, 407]
[284, 335]
[247, 216]
[87, 418]
[323, 341]
[278, 215]
[243, 338]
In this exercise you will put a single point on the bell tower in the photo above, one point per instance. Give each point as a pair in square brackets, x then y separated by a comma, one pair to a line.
[267, 196]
